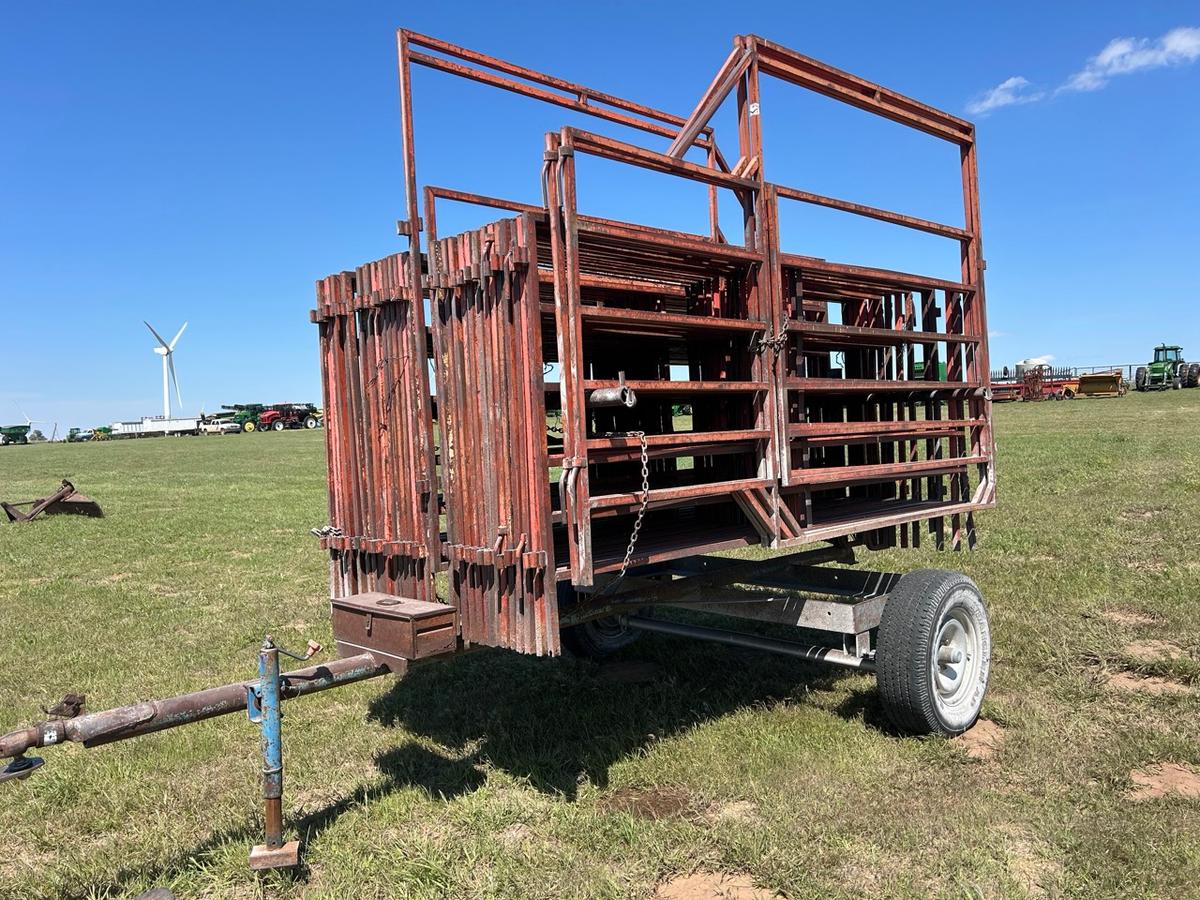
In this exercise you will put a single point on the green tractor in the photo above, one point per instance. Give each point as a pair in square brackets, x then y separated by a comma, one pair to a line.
[1168, 370]
[245, 414]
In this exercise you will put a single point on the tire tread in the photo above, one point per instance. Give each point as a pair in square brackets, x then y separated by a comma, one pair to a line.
[905, 631]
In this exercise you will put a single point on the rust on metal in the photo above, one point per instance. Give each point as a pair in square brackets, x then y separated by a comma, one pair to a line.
[65, 501]
[536, 406]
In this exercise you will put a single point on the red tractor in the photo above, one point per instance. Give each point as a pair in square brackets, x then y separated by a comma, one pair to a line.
[289, 415]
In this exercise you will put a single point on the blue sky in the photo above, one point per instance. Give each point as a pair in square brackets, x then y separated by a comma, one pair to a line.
[208, 162]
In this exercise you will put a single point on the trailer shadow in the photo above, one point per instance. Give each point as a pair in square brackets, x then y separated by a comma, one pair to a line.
[408, 765]
[558, 723]
[554, 723]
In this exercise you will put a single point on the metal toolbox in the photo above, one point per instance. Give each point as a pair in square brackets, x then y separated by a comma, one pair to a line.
[395, 630]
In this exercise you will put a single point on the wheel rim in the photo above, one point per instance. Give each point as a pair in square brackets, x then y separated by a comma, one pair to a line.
[610, 628]
[957, 655]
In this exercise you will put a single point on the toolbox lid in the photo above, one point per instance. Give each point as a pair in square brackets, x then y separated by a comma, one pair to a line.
[392, 606]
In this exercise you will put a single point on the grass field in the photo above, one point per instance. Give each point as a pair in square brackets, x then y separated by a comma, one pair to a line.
[498, 775]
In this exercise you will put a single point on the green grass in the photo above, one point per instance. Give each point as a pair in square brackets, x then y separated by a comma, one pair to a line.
[498, 775]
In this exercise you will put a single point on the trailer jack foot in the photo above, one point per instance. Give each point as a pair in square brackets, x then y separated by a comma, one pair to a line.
[20, 768]
[263, 857]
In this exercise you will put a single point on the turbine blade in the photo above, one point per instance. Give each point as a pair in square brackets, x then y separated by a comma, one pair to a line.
[178, 396]
[156, 334]
[178, 334]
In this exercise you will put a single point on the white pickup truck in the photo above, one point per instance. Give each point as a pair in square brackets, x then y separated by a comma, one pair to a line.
[219, 426]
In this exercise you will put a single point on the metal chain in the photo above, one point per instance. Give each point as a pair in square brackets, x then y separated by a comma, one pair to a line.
[775, 343]
[641, 514]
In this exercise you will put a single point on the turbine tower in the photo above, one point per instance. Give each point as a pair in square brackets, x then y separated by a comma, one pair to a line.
[167, 351]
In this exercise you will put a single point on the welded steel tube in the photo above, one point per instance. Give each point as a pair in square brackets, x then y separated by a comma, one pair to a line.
[613, 396]
[272, 742]
[813, 653]
[156, 715]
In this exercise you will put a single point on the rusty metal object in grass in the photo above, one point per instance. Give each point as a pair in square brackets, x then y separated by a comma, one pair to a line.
[65, 501]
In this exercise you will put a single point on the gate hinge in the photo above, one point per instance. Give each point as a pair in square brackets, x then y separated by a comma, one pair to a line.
[404, 227]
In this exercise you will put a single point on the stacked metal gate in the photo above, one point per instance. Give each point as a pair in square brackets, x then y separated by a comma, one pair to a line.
[765, 397]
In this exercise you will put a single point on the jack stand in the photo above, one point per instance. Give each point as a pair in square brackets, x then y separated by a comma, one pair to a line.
[262, 707]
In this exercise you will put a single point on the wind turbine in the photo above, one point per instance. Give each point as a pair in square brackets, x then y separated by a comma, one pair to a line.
[166, 351]
[29, 423]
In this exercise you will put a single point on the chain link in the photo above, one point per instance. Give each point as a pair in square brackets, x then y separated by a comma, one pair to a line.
[641, 513]
[775, 343]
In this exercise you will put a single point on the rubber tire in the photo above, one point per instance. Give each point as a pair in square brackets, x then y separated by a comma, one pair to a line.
[310, 422]
[904, 649]
[1193, 375]
[1139, 379]
[278, 426]
[599, 638]
[249, 427]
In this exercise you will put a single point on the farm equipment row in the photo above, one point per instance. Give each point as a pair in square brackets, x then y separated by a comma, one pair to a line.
[1045, 382]
[252, 417]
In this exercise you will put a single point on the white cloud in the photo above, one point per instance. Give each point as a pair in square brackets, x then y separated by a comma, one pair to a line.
[1123, 56]
[1009, 92]
[1038, 360]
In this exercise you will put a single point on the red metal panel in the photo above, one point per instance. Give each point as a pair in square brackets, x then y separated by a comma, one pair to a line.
[492, 418]
[779, 399]
[379, 434]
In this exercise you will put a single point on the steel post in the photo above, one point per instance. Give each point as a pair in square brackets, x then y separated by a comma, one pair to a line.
[263, 706]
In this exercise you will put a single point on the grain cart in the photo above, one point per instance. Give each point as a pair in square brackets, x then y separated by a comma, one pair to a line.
[613, 404]
[1168, 370]
[14, 434]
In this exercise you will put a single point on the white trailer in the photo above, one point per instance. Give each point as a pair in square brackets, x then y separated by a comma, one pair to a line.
[156, 426]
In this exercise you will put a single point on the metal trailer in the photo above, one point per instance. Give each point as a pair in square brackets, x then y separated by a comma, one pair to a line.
[697, 408]
[155, 426]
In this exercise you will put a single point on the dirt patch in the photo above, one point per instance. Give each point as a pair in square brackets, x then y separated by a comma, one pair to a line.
[1142, 513]
[1145, 684]
[712, 886]
[739, 812]
[1162, 779]
[1152, 651]
[655, 803]
[982, 740]
[1032, 864]
[1127, 617]
[629, 671]
[517, 833]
